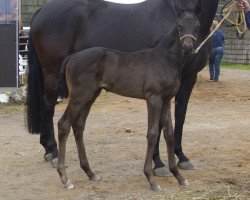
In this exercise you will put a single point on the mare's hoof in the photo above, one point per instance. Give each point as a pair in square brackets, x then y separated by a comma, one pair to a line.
[54, 162]
[156, 188]
[184, 183]
[48, 157]
[95, 178]
[69, 185]
[186, 166]
[162, 172]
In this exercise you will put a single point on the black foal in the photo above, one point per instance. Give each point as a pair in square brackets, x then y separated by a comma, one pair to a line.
[153, 75]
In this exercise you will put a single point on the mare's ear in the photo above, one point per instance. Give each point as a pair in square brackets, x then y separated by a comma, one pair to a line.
[199, 7]
[178, 7]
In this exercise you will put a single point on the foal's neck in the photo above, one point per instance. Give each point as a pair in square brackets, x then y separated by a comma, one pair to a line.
[171, 45]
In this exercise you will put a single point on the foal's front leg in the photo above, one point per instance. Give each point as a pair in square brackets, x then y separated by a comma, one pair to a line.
[154, 105]
[168, 131]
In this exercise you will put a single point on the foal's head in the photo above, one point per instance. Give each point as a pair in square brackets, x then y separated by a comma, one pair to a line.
[188, 25]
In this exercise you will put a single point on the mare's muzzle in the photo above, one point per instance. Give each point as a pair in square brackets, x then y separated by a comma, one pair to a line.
[187, 42]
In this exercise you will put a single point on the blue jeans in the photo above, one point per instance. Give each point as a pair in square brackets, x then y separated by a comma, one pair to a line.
[214, 63]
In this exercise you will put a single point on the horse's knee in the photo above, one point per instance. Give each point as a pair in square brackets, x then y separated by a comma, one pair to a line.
[78, 133]
[152, 137]
[169, 137]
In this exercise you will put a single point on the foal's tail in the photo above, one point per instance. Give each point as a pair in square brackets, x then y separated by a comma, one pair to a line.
[62, 87]
[35, 89]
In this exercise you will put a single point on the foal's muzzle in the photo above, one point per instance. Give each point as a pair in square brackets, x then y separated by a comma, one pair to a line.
[188, 41]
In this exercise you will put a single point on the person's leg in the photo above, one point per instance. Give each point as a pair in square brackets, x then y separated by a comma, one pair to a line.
[211, 65]
[217, 60]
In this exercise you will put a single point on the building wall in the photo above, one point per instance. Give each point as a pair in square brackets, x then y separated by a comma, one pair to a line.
[235, 51]
[29, 7]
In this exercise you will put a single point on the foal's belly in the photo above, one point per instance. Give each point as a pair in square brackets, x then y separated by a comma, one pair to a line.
[139, 78]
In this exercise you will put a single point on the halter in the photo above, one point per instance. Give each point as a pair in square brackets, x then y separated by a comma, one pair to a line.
[188, 35]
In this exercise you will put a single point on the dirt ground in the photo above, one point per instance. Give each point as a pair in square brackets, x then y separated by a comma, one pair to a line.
[216, 139]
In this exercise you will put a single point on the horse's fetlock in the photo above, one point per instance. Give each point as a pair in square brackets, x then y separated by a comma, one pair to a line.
[148, 172]
[78, 136]
[173, 169]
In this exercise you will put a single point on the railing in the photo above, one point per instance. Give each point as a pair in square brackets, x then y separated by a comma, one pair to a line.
[23, 59]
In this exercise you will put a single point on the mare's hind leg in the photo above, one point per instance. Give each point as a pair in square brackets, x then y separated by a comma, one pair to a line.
[47, 137]
[78, 128]
[154, 105]
[168, 131]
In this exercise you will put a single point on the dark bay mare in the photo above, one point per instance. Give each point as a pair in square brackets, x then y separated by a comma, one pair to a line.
[63, 27]
[153, 75]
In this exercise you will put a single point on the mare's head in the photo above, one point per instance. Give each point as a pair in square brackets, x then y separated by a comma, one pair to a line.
[188, 24]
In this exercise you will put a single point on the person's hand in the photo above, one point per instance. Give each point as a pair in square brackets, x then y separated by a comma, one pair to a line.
[243, 5]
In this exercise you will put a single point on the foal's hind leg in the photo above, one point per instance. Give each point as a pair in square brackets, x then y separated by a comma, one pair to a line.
[169, 137]
[64, 126]
[78, 128]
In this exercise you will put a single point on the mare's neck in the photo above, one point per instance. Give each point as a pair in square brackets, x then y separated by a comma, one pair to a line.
[207, 15]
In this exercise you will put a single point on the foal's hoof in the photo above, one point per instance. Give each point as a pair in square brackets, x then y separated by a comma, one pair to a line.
[69, 185]
[186, 166]
[48, 157]
[184, 183]
[95, 178]
[162, 172]
[156, 188]
[54, 162]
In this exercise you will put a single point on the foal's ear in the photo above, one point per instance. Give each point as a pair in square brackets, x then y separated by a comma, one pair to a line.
[199, 7]
[177, 7]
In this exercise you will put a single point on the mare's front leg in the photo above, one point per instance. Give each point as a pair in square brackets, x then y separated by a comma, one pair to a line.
[154, 104]
[168, 131]
[160, 168]
[181, 102]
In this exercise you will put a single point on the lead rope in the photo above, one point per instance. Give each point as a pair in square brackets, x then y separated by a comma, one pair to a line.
[231, 7]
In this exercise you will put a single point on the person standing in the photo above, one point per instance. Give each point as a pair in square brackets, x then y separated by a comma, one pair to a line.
[243, 5]
[217, 42]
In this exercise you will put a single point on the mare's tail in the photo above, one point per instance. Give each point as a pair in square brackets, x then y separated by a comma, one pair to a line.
[35, 90]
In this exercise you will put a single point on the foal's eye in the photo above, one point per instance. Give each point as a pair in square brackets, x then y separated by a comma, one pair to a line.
[197, 28]
[179, 28]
